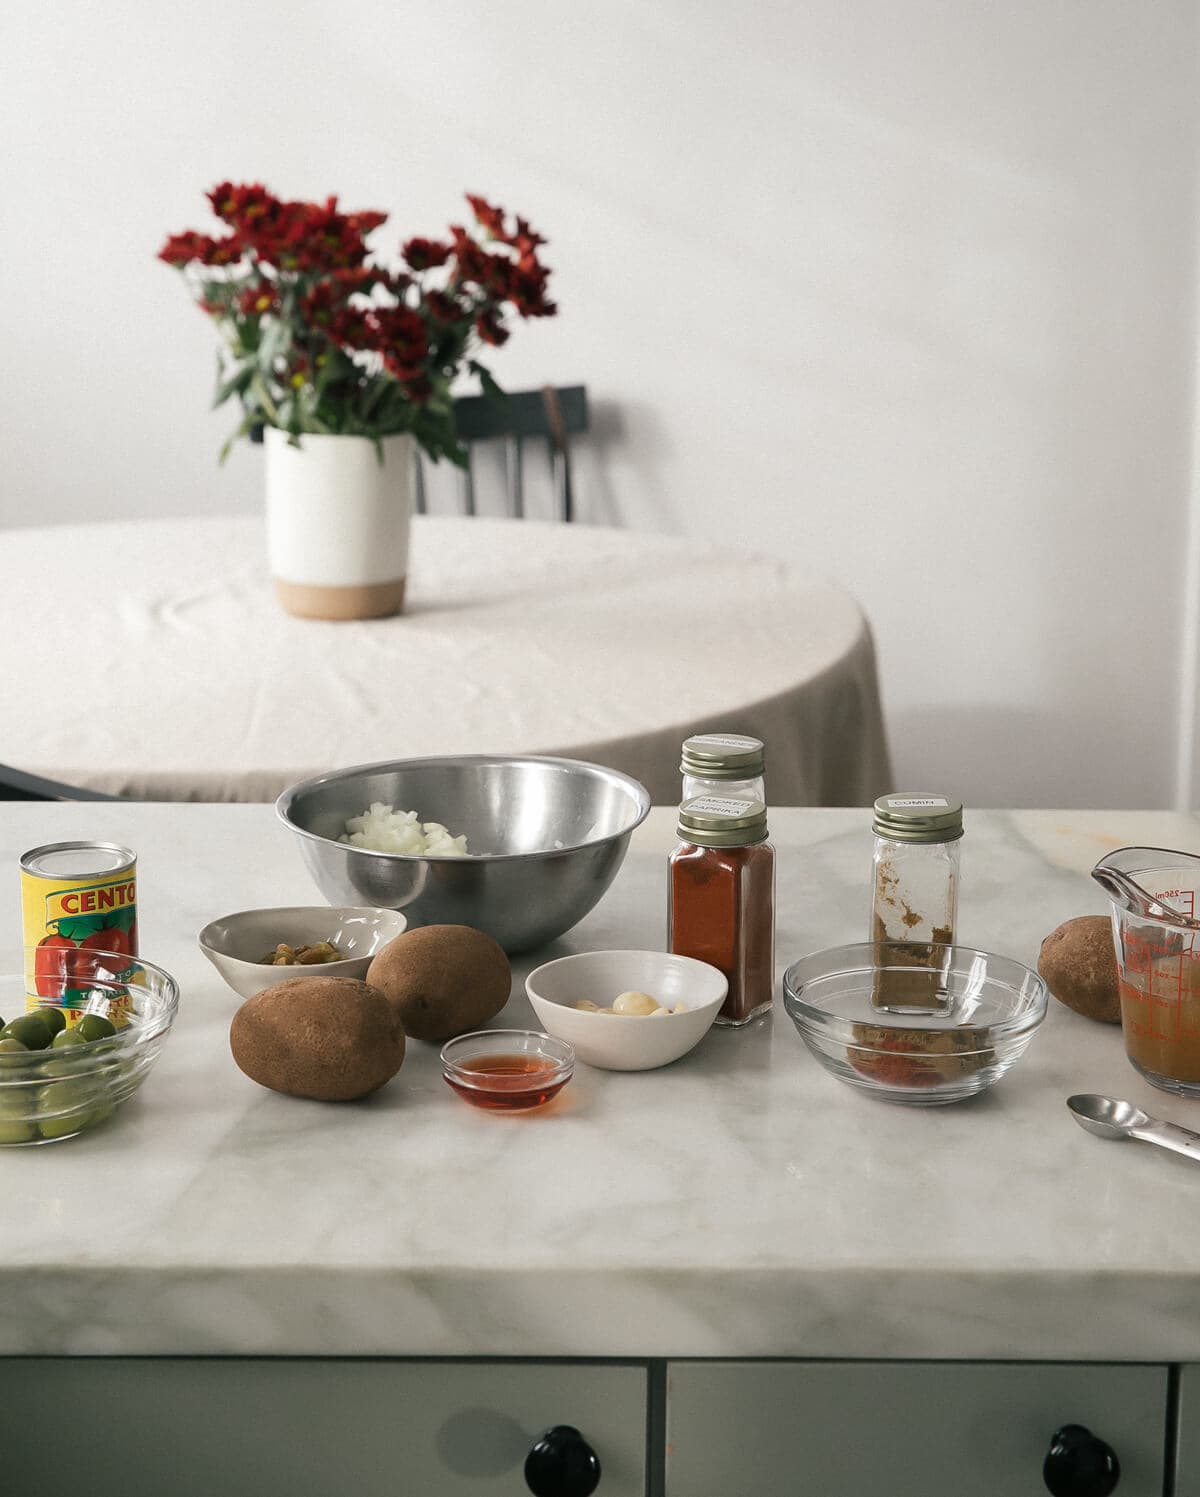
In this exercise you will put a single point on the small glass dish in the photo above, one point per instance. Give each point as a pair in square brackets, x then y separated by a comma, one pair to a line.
[982, 1012]
[54, 1093]
[507, 1070]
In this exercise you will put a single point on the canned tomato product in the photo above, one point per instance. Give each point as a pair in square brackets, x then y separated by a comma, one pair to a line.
[77, 899]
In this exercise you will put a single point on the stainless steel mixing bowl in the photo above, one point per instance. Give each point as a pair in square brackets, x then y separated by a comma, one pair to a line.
[547, 835]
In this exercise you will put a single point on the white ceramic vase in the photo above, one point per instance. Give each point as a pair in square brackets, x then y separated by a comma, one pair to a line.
[337, 524]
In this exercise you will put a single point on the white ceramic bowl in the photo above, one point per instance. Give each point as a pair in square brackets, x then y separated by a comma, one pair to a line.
[626, 1042]
[234, 943]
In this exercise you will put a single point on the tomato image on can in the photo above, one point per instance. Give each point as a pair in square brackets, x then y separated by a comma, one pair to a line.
[78, 900]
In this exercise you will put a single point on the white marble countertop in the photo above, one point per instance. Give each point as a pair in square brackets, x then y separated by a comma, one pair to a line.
[738, 1203]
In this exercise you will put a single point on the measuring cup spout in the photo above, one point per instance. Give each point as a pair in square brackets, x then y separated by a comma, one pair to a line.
[1122, 890]
[1115, 875]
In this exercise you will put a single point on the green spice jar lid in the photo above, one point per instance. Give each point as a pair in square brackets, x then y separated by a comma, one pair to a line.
[910, 817]
[714, 821]
[722, 756]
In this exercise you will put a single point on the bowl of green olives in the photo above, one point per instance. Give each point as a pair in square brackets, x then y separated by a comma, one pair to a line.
[83, 1043]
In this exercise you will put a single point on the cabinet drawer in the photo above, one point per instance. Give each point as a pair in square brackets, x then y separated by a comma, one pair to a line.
[843, 1429]
[1187, 1477]
[146, 1427]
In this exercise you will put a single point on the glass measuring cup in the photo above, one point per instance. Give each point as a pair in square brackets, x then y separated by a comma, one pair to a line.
[1155, 897]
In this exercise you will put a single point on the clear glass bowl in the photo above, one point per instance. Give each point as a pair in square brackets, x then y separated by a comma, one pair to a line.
[507, 1070]
[56, 1093]
[982, 1012]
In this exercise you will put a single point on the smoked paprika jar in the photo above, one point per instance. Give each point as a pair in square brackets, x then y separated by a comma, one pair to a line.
[721, 899]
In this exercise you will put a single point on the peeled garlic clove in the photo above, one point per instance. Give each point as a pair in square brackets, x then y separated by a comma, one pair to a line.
[659, 1012]
[680, 1008]
[586, 1006]
[634, 1003]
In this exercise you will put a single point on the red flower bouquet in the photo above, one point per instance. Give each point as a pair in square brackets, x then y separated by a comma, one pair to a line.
[316, 338]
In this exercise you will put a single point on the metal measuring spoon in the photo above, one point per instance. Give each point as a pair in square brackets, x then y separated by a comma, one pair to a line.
[1109, 1117]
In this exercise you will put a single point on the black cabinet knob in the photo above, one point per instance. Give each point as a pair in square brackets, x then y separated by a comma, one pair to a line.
[1080, 1465]
[562, 1464]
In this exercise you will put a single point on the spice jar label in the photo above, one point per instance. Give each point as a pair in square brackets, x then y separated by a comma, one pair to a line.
[717, 805]
[913, 802]
[724, 740]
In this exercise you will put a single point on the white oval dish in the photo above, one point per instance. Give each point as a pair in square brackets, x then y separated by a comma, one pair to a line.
[234, 942]
[626, 1042]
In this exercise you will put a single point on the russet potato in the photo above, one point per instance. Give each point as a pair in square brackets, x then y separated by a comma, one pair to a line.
[1078, 964]
[442, 980]
[331, 1038]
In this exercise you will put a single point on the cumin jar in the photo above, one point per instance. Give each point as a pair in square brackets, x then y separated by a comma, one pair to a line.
[721, 899]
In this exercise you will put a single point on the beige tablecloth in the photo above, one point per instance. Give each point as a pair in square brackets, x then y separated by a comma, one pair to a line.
[149, 659]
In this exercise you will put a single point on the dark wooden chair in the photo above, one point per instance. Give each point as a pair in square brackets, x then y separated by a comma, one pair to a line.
[547, 415]
[15, 784]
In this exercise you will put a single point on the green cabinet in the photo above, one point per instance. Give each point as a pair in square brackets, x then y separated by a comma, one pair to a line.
[378, 1427]
[930, 1429]
[223, 1427]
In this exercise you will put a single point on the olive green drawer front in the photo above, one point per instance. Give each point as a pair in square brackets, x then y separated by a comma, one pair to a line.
[134, 1427]
[1187, 1482]
[821, 1429]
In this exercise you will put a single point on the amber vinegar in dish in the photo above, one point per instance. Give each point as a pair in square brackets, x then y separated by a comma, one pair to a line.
[507, 1070]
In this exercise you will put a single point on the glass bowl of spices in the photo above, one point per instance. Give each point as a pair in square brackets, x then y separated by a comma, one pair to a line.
[979, 1016]
[507, 1070]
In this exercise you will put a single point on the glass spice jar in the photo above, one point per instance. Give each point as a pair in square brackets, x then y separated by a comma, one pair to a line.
[914, 904]
[721, 899]
[727, 765]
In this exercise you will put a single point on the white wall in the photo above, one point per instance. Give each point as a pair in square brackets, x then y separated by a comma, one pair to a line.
[903, 288]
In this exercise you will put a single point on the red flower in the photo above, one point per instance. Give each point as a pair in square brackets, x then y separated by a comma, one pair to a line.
[490, 328]
[402, 333]
[308, 236]
[365, 223]
[319, 304]
[526, 241]
[528, 290]
[491, 218]
[498, 276]
[296, 373]
[472, 260]
[359, 279]
[348, 326]
[424, 254]
[240, 206]
[183, 249]
[443, 308]
[257, 300]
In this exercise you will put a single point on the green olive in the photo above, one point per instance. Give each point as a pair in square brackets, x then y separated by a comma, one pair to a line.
[66, 1038]
[16, 1126]
[54, 1017]
[74, 1062]
[9, 1045]
[31, 1029]
[95, 1027]
[68, 1106]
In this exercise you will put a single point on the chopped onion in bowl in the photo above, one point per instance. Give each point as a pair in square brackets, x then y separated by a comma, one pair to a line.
[382, 828]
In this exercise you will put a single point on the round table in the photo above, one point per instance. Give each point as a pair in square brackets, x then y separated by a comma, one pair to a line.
[149, 659]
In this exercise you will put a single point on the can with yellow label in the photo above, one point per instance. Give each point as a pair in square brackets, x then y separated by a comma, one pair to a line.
[78, 899]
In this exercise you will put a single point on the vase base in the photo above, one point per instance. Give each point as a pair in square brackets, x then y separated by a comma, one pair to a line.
[367, 600]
